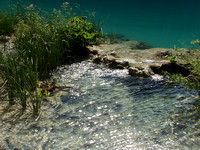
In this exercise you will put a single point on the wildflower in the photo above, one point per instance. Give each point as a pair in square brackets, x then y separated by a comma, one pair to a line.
[54, 10]
[30, 7]
[65, 3]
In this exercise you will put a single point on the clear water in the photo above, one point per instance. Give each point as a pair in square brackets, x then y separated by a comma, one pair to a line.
[161, 23]
[108, 109]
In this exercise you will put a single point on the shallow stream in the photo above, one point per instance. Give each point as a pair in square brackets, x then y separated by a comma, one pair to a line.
[108, 109]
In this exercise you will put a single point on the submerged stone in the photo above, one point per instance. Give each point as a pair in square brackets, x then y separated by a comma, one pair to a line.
[137, 45]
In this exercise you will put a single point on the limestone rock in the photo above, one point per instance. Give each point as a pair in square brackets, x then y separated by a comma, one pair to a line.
[115, 64]
[172, 68]
[96, 60]
[140, 72]
[164, 54]
[94, 51]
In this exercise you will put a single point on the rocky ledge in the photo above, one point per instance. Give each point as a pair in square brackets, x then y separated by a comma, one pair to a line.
[141, 62]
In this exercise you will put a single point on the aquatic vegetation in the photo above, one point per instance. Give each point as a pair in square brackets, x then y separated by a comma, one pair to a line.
[113, 38]
[41, 44]
[196, 42]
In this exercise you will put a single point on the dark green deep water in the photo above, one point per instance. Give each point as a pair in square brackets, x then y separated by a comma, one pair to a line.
[161, 23]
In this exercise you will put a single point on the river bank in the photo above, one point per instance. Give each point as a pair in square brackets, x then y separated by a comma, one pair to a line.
[140, 59]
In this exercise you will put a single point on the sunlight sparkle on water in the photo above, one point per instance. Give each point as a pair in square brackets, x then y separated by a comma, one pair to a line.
[109, 110]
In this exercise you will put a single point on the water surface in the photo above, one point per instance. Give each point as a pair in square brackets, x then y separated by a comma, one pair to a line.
[108, 109]
[161, 23]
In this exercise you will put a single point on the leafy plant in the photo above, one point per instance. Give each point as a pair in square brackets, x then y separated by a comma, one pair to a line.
[7, 23]
[75, 35]
[41, 44]
[172, 59]
[192, 60]
[80, 32]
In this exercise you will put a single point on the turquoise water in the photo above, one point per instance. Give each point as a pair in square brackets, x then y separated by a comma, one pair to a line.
[161, 23]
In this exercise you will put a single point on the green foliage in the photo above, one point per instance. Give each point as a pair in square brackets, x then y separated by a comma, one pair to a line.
[10, 18]
[35, 42]
[191, 81]
[172, 59]
[41, 44]
[19, 78]
[7, 23]
[48, 42]
[36, 101]
[197, 105]
[192, 60]
[79, 32]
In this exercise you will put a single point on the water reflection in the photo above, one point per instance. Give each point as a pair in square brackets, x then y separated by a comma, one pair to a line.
[108, 109]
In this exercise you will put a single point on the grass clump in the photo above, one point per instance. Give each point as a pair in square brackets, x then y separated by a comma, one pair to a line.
[41, 44]
[20, 80]
[7, 23]
[191, 59]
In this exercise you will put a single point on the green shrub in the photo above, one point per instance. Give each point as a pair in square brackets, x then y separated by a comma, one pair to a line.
[172, 59]
[10, 17]
[192, 61]
[42, 44]
[75, 35]
[7, 23]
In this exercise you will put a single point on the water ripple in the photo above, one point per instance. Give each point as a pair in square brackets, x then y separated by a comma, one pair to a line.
[108, 109]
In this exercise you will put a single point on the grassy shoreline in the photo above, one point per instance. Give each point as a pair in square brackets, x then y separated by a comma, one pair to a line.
[41, 44]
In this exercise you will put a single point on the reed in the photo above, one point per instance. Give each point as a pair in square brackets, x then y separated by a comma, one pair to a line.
[19, 78]
[41, 44]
